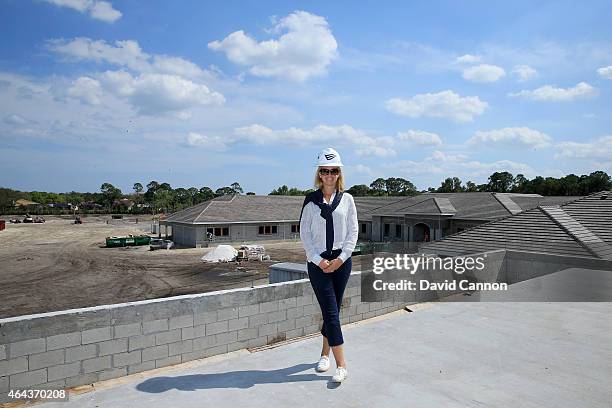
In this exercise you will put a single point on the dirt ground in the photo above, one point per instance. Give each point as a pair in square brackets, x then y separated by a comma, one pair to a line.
[59, 265]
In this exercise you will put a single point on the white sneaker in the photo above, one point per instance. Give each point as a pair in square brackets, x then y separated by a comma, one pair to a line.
[323, 364]
[340, 375]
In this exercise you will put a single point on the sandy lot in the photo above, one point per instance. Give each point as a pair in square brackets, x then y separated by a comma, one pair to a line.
[58, 265]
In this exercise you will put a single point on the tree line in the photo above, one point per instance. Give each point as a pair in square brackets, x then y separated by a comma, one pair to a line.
[505, 182]
[498, 182]
[162, 198]
[156, 198]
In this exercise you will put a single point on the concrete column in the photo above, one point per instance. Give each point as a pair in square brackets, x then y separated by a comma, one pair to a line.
[437, 233]
[376, 229]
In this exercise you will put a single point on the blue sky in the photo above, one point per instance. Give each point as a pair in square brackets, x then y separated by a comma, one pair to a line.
[205, 94]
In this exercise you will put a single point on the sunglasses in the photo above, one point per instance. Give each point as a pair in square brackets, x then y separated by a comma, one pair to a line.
[333, 172]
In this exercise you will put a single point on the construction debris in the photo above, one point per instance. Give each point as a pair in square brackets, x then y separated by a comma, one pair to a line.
[248, 252]
[222, 253]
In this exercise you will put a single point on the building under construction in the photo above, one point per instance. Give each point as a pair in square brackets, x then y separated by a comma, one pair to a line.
[413, 220]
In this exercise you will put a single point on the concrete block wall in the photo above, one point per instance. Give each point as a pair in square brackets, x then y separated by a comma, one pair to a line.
[82, 346]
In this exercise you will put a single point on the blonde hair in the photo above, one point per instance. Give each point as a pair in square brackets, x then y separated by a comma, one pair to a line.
[339, 183]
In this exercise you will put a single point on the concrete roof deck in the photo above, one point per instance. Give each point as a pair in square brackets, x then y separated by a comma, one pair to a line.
[441, 355]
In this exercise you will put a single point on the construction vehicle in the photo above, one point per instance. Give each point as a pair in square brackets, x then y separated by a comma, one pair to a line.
[158, 243]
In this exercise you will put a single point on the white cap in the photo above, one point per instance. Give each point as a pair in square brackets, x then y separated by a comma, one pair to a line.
[329, 157]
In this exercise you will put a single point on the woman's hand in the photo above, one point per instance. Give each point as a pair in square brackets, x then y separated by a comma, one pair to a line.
[324, 264]
[333, 265]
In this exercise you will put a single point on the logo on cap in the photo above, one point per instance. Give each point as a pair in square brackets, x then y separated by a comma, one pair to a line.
[330, 156]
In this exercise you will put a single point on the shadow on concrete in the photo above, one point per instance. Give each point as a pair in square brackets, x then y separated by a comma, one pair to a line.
[231, 379]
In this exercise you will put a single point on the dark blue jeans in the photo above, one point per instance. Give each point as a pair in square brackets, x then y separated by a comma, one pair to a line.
[329, 289]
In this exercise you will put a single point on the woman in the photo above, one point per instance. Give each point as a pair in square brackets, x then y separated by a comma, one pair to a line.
[328, 229]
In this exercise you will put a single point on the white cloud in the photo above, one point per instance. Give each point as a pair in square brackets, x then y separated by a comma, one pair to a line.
[61, 119]
[479, 169]
[16, 120]
[344, 134]
[468, 59]
[605, 72]
[575, 57]
[599, 148]
[403, 57]
[126, 54]
[444, 157]
[445, 104]
[157, 93]
[511, 136]
[79, 5]
[123, 53]
[183, 115]
[551, 93]
[411, 168]
[161, 84]
[257, 134]
[459, 165]
[103, 10]
[112, 129]
[378, 151]
[118, 82]
[420, 137]
[212, 142]
[483, 73]
[87, 90]
[305, 50]
[99, 10]
[360, 168]
[524, 72]
[177, 66]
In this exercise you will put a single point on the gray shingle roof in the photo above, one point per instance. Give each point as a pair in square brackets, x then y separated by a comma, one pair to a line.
[444, 205]
[589, 223]
[467, 206]
[579, 232]
[365, 205]
[527, 202]
[261, 208]
[508, 203]
[268, 208]
[241, 208]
